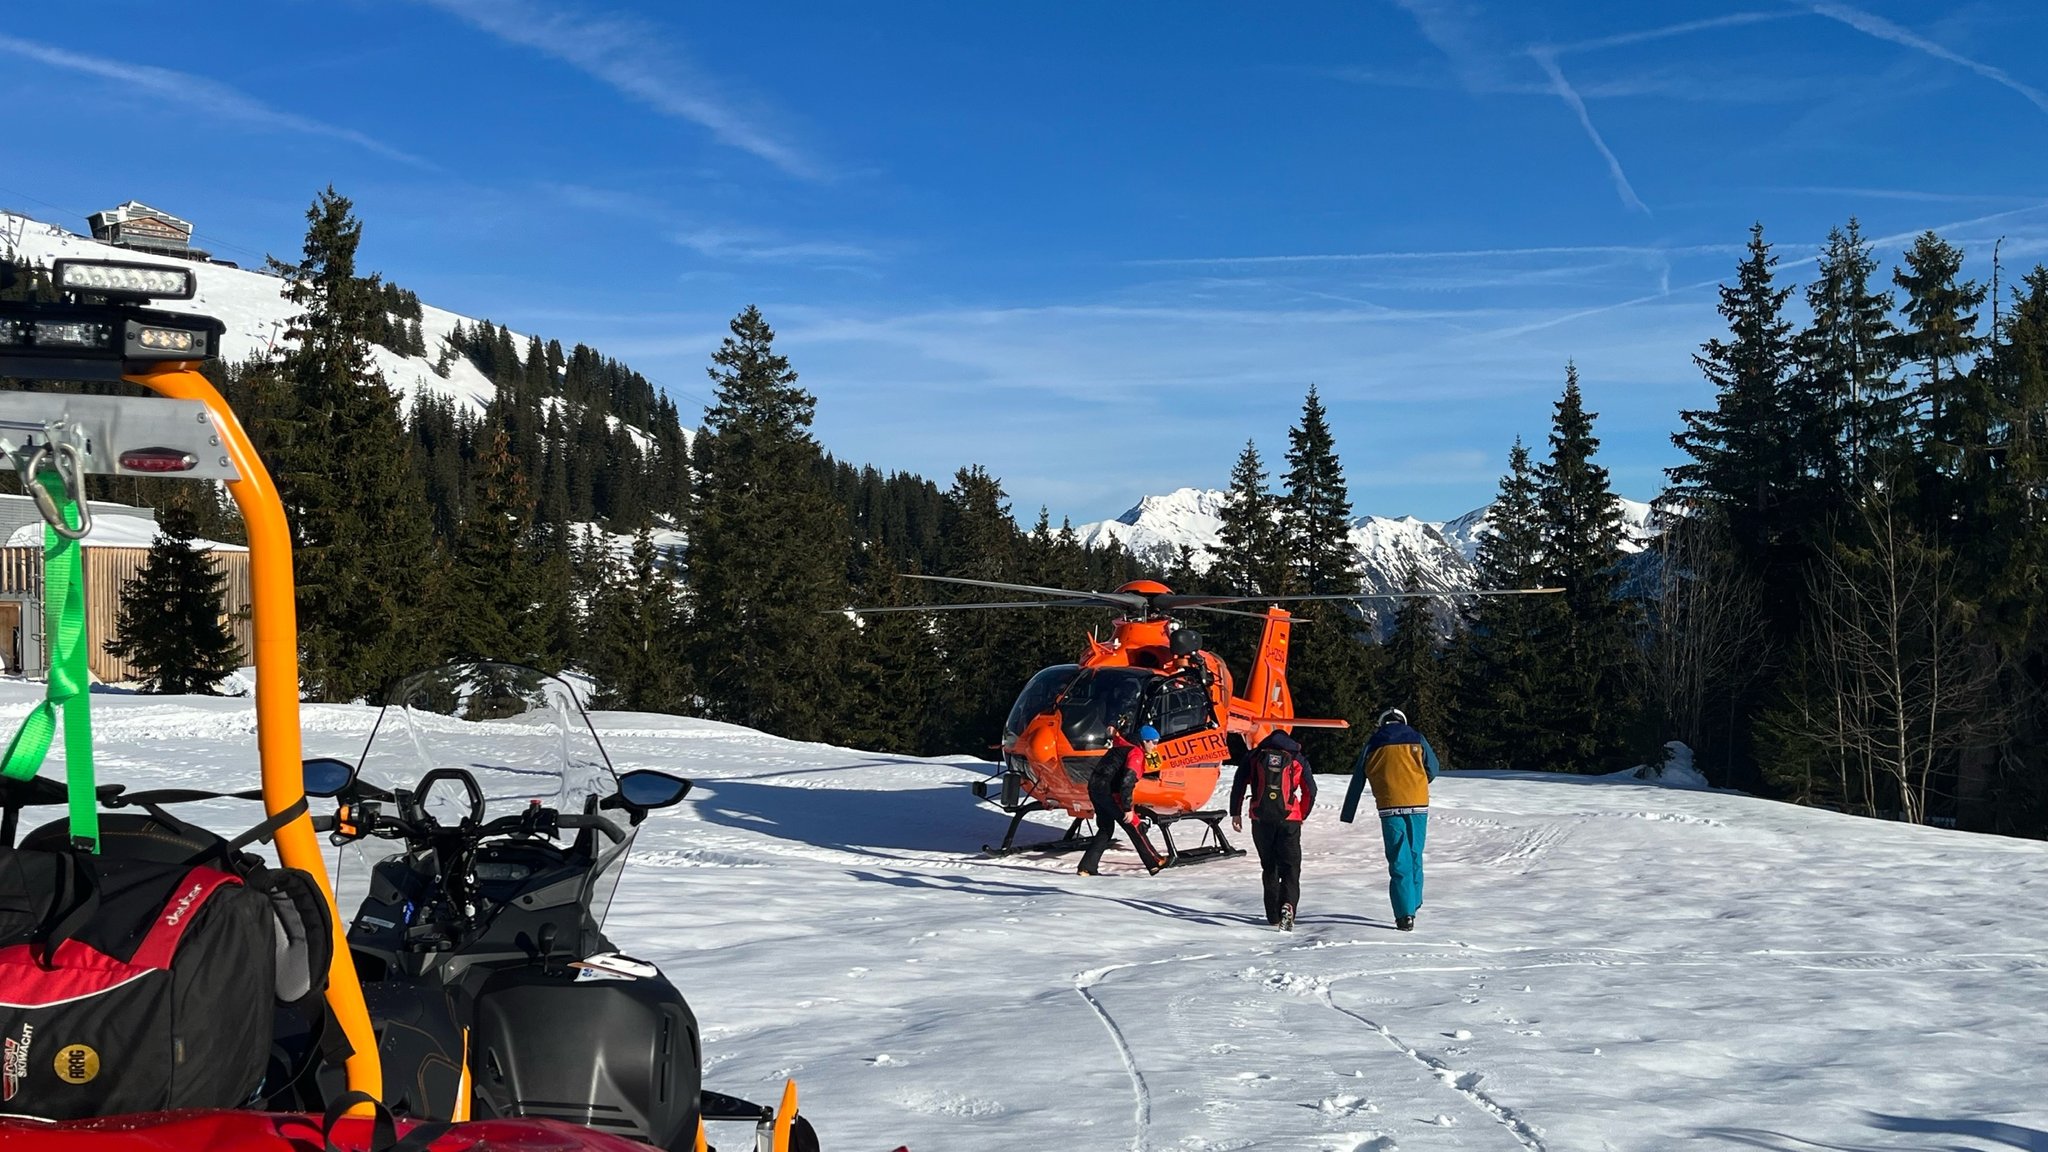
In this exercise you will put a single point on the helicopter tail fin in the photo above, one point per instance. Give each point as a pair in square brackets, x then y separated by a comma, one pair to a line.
[1265, 690]
[1267, 703]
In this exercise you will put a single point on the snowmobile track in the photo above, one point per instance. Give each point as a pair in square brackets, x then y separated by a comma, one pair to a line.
[1466, 1084]
[1139, 1089]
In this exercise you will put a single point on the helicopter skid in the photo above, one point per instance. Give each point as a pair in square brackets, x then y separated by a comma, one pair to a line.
[1073, 841]
[1217, 847]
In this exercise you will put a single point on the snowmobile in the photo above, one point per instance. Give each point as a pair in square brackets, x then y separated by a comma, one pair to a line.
[61, 955]
[480, 944]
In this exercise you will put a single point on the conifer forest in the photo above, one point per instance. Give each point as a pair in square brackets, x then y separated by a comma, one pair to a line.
[1841, 607]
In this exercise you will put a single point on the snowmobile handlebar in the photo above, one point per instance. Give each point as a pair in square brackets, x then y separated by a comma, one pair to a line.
[367, 818]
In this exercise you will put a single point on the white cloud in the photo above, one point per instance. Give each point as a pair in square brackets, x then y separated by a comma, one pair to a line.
[200, 93]
[1883, 29]
[1687, 28]
[765, 247]
[1455, 254]
[1566, 93]
[631, 58]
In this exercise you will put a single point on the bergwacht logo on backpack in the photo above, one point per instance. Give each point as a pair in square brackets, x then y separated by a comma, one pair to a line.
[14, 1061]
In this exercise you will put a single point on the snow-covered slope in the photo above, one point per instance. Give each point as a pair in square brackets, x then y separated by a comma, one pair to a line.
[1599, 964]
[252, 306]
[1441, 554]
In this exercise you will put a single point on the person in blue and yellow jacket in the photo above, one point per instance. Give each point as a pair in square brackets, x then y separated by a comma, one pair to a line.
[1399, 764]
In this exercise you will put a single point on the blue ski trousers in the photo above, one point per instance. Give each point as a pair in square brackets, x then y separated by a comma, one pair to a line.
[1404, 833]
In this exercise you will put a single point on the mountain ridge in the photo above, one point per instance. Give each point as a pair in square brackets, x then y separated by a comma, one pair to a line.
[1443, 554]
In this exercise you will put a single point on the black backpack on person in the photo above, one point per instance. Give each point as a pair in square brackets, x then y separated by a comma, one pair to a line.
[1276, 781]
[150, 976]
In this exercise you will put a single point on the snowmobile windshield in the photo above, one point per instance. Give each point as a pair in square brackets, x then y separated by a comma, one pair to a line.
[1100, 699]
[521, 734]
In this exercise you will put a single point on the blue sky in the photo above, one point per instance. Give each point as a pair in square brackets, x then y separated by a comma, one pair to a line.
[1092, 246]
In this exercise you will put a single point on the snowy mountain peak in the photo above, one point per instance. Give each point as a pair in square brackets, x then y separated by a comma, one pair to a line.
[1180, 506]
[1390, 548]
[1160, 525]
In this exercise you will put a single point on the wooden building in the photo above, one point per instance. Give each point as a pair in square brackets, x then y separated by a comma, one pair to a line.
[113, 555]
[137, 226]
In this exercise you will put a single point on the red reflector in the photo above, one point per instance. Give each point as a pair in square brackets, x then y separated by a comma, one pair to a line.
[158, 460]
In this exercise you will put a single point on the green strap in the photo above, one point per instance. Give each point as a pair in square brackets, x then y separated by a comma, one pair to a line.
[70, 676]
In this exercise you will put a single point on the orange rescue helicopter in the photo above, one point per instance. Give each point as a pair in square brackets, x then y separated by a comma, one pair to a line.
[1153, 671]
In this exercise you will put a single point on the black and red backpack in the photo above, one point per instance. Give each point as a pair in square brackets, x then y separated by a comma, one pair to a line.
[1277, 788]
[151, 975]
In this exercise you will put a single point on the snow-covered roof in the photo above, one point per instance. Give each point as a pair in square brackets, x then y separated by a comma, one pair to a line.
[115, 532]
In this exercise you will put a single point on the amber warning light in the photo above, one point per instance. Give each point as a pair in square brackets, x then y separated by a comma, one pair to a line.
[158, 460]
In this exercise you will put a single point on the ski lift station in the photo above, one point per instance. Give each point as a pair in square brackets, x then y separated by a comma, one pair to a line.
[140, 228]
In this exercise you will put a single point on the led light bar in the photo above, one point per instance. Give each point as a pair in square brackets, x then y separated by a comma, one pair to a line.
[115, 333]
[129, 281]
[169, 339]
[85, 335]
[63, 334]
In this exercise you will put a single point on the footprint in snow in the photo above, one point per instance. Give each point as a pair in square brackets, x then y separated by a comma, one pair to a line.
[1344, 1106]
[1460, 1034]
[1442, 1121]
[887, 1061]
[1251, 1077]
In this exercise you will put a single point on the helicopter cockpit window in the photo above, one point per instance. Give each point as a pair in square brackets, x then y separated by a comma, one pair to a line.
[1181, 705]
[1038, 695]
[1100, 698]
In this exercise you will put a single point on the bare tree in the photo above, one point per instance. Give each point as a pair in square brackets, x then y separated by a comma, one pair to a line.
[1704, 629]
[1895, 688]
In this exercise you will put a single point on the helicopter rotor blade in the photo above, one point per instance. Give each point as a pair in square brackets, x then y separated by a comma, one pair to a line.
[957, 607]
[1114, 599]
[1171, 603]
[1240, 612]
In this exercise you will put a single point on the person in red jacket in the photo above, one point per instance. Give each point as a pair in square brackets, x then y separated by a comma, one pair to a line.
[1283, 790]
[1115, 778]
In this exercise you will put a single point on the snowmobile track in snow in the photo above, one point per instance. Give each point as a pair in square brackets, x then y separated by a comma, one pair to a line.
[1464, 1084]
[1139, 1089]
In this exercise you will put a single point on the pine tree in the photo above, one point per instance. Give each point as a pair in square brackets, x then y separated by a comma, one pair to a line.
[1936, 342]
[983, 649]
[899, 675]
[636, 636]
[497, 587]
[1585, 698]
[1505, 639]
[1747, 451]
[1249, 557]
[2013, 552]
[1846, 360]
[768, 547]
[1417, 676]
[1331, 668]
[363, 542]
[1315, 512]
[171, 624]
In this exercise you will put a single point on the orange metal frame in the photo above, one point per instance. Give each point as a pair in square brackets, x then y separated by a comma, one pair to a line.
[275, 612]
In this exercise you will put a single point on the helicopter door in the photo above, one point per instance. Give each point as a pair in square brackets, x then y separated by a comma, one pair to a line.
[1180, 705]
